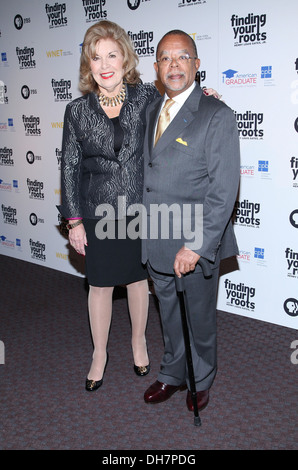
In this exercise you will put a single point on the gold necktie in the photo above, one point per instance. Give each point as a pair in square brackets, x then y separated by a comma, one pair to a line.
[164, 119]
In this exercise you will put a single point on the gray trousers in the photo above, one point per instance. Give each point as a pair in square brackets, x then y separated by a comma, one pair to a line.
[201, 296]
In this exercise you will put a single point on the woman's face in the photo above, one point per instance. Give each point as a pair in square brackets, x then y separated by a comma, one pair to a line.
[107, 67]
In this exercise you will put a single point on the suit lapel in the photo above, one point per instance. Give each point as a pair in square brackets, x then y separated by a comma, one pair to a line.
[184, 117]
[152, 119]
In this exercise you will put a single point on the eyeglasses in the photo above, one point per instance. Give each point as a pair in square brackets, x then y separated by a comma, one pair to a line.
[181, 59]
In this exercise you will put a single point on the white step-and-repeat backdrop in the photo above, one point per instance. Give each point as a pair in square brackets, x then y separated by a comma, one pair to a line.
[248, 53]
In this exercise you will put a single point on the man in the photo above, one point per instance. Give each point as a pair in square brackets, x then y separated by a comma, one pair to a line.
[195, 163]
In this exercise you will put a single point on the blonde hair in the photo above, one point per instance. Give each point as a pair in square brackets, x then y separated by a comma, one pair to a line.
[107, 30]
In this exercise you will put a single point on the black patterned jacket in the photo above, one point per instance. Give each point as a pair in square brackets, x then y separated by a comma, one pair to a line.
[91, 174]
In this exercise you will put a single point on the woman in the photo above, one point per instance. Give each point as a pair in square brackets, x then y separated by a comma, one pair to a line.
[102, 161]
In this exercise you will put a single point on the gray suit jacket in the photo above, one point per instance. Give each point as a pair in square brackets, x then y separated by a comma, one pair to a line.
[195, 165]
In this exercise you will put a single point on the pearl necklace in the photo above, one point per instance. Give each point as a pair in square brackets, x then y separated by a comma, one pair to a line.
[115, 100]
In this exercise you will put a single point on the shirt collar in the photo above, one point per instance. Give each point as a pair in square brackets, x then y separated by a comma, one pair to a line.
[182, 97]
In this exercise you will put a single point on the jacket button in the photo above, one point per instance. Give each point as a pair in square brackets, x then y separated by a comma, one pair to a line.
[150, 164]
[148, 190]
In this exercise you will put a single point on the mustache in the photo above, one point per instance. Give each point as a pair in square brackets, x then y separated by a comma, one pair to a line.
[170, 74]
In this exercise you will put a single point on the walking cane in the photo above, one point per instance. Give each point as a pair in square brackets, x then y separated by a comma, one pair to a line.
[184, 309]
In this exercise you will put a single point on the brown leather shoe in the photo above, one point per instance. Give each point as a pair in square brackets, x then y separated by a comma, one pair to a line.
[202, 400]
[159, 392]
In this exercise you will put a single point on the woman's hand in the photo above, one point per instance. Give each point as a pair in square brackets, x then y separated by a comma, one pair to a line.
[78, 239]
[210, 91]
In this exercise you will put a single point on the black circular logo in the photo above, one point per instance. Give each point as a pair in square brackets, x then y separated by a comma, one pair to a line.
[291, 307]
[294, 218]
[30, 157]
[25, 92]
[18, 22]
[33, 218]
[133, 4]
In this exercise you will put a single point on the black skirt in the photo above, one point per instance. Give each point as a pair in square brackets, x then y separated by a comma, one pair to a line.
[112, 262]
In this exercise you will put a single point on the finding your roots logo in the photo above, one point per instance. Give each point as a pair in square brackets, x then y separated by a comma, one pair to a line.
[56, 14]
[31, 125]
[239, 295]
[248, 30]
[292, 262]
[25, 56]
[61, 89]
[37, 249]
[94, 10]
[142, 42]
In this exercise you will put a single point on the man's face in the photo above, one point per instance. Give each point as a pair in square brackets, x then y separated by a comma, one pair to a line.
[175, 70]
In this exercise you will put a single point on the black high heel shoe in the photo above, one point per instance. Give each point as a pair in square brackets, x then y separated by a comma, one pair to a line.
[141, 370]
[92, 385]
